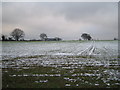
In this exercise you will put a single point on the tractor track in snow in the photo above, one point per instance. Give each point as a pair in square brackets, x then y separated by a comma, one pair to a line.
[88, 51]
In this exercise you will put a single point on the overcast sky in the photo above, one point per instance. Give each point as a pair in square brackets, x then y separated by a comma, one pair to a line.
[65, 20]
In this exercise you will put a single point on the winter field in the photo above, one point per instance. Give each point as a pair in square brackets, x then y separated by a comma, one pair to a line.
[59, 64]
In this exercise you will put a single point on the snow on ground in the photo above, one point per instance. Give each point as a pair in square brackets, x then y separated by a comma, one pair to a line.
[102, 52]
[18, 49]
[66, 55]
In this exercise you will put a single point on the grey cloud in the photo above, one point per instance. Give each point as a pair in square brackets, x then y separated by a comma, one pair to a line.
[61, 19]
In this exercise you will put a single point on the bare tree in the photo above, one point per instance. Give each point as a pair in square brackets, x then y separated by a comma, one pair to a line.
[17, 34]
[3, 37]
[86, 36]
[115, 38]
[58, 39]
[43, 36]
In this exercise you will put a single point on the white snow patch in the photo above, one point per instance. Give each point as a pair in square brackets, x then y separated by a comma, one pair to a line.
[66, 54]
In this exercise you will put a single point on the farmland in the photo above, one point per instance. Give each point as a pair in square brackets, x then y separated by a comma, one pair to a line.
[63, 64]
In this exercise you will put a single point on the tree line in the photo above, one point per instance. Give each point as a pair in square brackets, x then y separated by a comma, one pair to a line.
[18, 35]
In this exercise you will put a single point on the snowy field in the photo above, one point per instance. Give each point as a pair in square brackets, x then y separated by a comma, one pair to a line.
[20, 49]
[76, 63]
